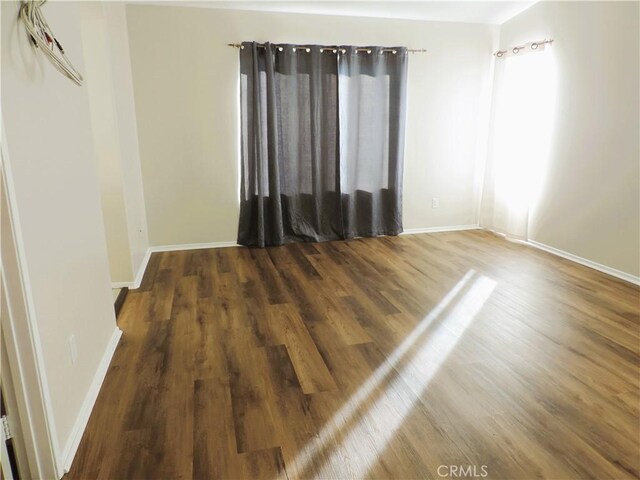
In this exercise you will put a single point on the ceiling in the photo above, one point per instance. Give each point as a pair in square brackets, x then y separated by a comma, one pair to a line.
[442, 11]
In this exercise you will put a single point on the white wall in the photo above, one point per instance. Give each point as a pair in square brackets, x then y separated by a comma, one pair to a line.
[186, 95]
[110, 88]
[50, 154]
[590, 203]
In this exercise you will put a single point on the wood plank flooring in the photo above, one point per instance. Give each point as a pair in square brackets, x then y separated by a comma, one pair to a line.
[396, 357]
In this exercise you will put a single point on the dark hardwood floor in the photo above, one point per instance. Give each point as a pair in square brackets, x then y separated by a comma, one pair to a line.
[395, 357]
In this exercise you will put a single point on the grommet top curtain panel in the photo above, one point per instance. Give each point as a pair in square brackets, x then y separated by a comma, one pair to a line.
[322, 142]
[372, 106]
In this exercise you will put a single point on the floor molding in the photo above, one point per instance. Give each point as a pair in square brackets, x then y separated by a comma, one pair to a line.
[167, 248]
[452, 228]
[587, 263]
[141, 269]
[200, 246]
[409, 231]
[138, 280]
[80, 425]
[191, 246]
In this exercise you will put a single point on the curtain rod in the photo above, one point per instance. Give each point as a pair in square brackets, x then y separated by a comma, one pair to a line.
[519, 48]
[334, 48]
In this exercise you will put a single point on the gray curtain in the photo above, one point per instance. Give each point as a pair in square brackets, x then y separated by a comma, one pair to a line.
[322, 143]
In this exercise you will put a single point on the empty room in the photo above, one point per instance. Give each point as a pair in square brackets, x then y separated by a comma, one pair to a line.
[320, 240]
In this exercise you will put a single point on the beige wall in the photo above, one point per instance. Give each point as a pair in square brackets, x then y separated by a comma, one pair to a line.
[186, 94]
[116, 22]
[99, 86]
[50, 147]
[110, 89]
[590, 203]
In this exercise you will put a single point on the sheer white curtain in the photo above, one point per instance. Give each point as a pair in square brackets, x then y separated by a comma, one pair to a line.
[518, 148]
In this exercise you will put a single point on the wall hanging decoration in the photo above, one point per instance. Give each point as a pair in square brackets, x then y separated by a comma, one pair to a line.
[43, 39]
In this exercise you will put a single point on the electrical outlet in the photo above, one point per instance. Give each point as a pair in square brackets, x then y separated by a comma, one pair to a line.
[73, 349]
[435, 202]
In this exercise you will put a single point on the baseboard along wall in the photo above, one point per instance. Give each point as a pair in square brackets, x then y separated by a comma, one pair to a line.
[80, 425]
[586, 262]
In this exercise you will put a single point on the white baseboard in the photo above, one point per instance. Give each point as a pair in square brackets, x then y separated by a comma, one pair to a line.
[166, 248]
[138, 280]
[141, 270]
[452, 228]
[191, 246]
[410, 231]
[200, 246]
[588, 263]
[71, 447]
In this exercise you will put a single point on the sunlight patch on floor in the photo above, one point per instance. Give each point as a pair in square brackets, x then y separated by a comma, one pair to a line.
[357, 435]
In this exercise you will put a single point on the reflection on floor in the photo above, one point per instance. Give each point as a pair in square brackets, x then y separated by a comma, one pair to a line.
[394, 357]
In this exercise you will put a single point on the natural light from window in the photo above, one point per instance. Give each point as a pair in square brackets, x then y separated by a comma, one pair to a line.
[413, 364]
[523, 122]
